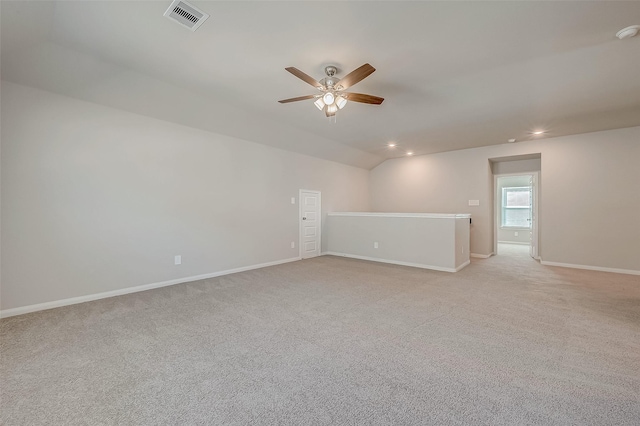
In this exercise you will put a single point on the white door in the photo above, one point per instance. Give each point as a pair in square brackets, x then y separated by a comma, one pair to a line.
[533, 238]
[309, 224]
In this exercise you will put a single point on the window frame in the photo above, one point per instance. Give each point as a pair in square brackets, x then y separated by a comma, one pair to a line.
[503, 208]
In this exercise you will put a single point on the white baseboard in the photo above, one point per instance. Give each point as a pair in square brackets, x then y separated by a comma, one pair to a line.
[591, 268]
[395, 262]
[481, 256]
[90, 297]
[468, 262]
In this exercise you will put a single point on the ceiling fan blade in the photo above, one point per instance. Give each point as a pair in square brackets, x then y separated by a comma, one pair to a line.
[299, 98]
[304, 77]
[355, 76]
[365, 99]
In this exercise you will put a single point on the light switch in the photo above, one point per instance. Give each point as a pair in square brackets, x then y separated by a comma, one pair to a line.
[293, 200]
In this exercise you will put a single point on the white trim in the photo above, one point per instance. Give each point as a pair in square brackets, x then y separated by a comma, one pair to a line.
[481, 256]
[467, 263]
[97, 296]
[514, 242]
[591, 268]
[423, 215]
[397, 262]
[534, 247]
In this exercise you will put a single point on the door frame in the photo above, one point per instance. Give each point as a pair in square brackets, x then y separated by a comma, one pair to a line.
[497, 198]
[535, 231]
[300, 191]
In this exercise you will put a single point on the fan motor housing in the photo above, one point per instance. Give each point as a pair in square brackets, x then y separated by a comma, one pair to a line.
[329, 82]
[330, 70]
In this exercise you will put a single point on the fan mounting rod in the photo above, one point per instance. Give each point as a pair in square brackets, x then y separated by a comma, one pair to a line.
[330, 70]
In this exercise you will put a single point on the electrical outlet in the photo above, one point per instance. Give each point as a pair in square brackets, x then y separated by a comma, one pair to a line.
[293, 245]
[177, 260]
[515, 233]
[375, 245]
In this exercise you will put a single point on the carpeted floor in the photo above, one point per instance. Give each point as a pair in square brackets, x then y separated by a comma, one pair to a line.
[505, 341]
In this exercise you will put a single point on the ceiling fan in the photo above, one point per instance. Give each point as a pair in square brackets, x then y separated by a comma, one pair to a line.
[332, 96]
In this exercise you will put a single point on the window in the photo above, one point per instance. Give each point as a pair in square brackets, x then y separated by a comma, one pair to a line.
[516, 207]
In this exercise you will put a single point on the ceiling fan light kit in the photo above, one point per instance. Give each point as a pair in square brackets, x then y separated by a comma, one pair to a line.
[333, 96]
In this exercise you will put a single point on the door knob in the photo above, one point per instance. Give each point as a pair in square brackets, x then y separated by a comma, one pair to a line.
[304, 218]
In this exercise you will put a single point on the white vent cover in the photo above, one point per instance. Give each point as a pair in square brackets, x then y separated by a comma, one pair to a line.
[186, 15]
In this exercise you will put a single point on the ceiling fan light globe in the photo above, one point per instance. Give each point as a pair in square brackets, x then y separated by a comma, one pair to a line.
[341, 102]
[332, 108]
[319, 104]
[328, 98]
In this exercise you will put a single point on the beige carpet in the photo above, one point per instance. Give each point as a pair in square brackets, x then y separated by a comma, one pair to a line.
[330, 340]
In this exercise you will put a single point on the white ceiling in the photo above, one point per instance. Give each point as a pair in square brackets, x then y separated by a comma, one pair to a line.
[454, 75]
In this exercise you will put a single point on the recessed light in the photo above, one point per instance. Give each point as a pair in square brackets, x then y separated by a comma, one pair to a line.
[538, 132]
[391, 144]
[628, 32]
[409, 153]
[512, 140]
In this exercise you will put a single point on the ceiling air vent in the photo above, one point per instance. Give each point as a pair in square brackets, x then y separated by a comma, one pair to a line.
[186, 15]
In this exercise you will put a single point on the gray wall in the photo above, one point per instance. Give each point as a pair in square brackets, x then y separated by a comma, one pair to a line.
[439, 183]
[462, 241]
[427, 242]
[500, 167]
[588, 203]
[96, 199]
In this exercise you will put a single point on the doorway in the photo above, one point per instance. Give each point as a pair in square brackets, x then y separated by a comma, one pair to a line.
[310, 223]
[516, 214]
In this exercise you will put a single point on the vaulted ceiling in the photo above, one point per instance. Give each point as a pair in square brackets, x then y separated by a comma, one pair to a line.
[454, 75]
